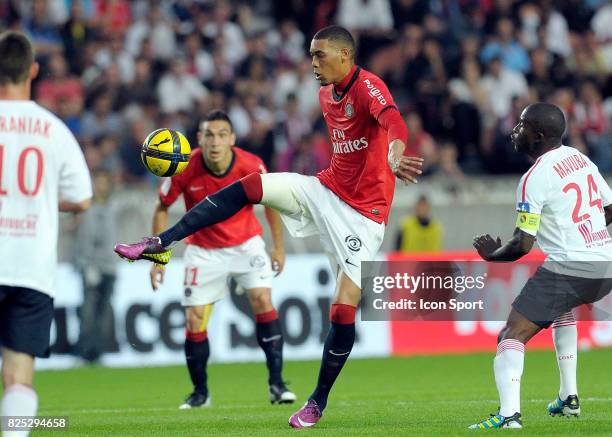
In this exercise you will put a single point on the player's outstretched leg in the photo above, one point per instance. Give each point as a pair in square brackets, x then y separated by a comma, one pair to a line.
[508, 369]
[270, 339]
[197, 351]
[338, 346]
[213, 209]
[565, 338]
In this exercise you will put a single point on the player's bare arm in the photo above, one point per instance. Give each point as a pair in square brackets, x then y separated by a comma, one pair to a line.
[76, 207]
[492, 250]
[608, 212]
[405, 168]
[160, 222]
[277, 255]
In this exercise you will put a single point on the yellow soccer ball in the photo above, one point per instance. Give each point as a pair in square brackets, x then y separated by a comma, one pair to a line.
[165, 152]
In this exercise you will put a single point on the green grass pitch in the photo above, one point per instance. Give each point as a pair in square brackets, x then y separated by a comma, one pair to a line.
[433, 395]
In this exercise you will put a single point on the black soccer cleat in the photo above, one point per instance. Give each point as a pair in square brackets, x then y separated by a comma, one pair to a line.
[280, 394]
[196, 400]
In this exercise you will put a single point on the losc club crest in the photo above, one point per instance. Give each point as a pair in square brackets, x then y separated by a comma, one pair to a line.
[349, 110]
[353, 243]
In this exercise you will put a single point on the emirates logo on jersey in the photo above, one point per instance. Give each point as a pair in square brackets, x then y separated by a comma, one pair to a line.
[341, 144]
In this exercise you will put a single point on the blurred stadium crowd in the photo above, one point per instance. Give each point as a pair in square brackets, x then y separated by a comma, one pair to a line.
[461, 71]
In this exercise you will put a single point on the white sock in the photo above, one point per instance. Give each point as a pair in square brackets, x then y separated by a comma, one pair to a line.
[18, 400]
[508, 367]
[565, 337]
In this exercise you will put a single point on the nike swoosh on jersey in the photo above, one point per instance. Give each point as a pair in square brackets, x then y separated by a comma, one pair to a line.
[269, 339]
[349, 263]
[196, 188]
[337, 354]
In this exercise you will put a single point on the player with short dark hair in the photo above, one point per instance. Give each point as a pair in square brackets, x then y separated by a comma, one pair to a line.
[564, 200]
[338, 36]
[230, 249]
[347, 204]
[16, 59]
[42, 169]
[219, 115]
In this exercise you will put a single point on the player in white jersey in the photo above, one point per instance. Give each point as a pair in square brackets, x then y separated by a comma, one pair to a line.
[42, 170]
[566, 203]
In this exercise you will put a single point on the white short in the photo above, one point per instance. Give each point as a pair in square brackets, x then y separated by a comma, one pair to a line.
[207, 271]
[308, 208]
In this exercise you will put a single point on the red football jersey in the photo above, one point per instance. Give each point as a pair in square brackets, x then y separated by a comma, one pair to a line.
[197, 181]
[359, 172]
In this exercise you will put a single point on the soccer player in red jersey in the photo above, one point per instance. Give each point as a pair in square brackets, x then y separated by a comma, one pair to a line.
[347, 205]
[232, 248]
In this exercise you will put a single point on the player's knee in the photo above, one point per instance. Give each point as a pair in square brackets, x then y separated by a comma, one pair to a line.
[261, 301]
[515, 331]
[347, 292]
[277, 192]
[194, 325]
[15, 375]
[194, 322]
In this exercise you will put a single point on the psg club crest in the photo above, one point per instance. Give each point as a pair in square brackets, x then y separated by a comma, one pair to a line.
[349, 110]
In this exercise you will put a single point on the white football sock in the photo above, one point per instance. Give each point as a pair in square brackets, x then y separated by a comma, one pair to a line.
[508, 367]
[18, 400]
[565, 337]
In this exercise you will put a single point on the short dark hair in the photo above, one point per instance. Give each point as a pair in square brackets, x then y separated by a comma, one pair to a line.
[338, 34]
[547, 119]
[16, 57]
[219, 115]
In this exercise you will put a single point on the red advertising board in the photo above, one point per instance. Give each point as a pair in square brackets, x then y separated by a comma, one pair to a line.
[431, 337]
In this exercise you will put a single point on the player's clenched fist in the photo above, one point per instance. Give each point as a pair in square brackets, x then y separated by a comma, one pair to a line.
[486, 245]
[157, 275]
[407, 168]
